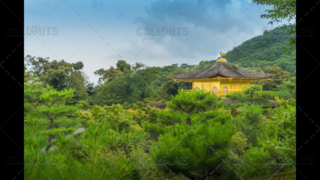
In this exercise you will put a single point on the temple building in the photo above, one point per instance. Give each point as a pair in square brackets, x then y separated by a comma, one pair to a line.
[221, 77]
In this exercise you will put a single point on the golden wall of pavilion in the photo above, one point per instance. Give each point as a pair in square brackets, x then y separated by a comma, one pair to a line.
[219, 85]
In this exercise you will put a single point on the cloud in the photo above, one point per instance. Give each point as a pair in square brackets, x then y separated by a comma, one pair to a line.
[209, 27]
[212, 25]
[220, 11]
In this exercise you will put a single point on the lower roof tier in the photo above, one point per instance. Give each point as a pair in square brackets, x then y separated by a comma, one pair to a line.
[222, 69]
[219, 78]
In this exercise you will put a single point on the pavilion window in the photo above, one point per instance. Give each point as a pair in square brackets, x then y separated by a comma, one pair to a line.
[225, 90]
[215, 89]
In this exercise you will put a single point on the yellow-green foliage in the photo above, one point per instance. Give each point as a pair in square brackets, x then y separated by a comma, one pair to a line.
[284, 103]
[95, 114]
[239, 143]
[284, 119]
[291, 175]
[115, 115]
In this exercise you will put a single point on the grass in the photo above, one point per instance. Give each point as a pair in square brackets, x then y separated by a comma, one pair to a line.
[279, 176]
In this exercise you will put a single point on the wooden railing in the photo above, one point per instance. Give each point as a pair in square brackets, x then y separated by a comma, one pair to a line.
[218, 92]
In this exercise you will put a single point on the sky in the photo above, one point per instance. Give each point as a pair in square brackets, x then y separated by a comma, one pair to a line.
[153, 32]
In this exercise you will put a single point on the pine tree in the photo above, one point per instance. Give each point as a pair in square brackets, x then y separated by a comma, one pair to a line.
[49, 103]
[198, 142]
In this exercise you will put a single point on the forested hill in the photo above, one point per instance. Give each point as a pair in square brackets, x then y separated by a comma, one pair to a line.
[261, 51]
[140, 82]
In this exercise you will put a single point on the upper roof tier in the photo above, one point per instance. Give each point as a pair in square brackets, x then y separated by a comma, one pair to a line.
[223, 69]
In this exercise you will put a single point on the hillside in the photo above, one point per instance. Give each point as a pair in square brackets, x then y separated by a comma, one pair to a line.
[261, 51]
[253, 54]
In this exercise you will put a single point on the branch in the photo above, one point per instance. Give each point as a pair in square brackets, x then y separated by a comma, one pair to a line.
[45, 103]
[35, 105]
[190, 110]
[186, 111]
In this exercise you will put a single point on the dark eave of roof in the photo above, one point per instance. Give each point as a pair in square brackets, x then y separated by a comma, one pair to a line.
[223, 69]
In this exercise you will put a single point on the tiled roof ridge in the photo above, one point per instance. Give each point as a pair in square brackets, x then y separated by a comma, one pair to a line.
[223, 69]
[234, 68]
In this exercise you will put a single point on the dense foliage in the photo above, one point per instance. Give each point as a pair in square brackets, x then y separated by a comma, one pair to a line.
[75, 130]
[197, 136]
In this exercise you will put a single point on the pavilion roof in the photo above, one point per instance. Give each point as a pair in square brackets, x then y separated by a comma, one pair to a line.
[223, 69]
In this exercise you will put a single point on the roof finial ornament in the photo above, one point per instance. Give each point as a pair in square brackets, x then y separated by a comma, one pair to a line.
[221, 59]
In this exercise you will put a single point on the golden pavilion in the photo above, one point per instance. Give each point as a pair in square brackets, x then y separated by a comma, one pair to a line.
[221, 77]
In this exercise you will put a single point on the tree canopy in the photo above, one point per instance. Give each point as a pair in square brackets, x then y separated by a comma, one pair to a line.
[281, 10]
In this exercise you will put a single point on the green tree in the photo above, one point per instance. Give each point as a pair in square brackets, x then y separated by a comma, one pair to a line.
[265, 158]
[38, 65]
[171, 87]
[108, 75]
[58, 74]
[122, 64]
[283, 118]
[78, 66]
[278, 73]
[35, 141]
[57, 78]
[253, 94]
[198, 139]
[49, 103]
[281, 10]
[28, 77]
[95, 153]
[249, 121]
[287, 89]
[129, 86]
[77, 81]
